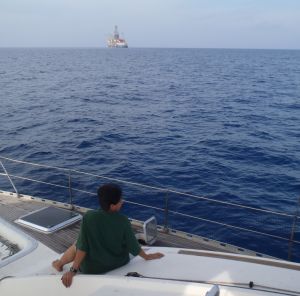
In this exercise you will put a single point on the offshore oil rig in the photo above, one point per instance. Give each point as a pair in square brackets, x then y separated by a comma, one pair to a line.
[115, 41]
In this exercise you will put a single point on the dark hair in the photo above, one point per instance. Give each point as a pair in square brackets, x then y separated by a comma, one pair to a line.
[109, 194]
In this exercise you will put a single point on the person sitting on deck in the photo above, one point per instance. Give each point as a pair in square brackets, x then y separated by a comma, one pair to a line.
[105, 239]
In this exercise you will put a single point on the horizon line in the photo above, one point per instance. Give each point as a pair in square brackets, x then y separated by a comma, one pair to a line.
[141, 47]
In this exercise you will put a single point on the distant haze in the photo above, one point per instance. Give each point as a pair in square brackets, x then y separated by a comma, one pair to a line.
[151, 23]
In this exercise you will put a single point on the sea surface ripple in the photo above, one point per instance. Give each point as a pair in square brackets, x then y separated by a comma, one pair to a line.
[223, 124]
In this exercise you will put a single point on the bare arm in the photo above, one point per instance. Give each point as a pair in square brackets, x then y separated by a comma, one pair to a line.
[150, 256]
[68, 276]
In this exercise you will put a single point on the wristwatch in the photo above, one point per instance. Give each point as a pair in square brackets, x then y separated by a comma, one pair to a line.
[74, 270]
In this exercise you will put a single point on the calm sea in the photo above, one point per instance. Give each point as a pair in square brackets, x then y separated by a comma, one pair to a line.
[222, 124]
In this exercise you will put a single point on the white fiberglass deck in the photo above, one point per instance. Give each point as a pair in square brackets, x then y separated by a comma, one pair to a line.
[180, 272]
[113, 286]
[13, 238]
[217, 267]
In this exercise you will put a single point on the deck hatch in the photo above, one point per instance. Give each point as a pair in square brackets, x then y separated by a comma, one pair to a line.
[49, 219]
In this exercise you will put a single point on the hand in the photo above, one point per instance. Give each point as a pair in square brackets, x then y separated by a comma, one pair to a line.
[154, 256]
[67, 278]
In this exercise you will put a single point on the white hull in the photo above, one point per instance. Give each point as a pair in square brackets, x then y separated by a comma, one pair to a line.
[179, 272]
[112, 285]
[118, 45]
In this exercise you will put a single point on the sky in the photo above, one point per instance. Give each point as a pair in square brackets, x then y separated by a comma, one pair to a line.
[269, 24]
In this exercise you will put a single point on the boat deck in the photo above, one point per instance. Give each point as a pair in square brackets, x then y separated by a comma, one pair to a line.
[12, 207]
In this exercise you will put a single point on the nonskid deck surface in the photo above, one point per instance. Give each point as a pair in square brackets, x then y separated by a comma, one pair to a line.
[13, 207]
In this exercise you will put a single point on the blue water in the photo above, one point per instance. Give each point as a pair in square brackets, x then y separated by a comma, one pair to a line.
[223, 124]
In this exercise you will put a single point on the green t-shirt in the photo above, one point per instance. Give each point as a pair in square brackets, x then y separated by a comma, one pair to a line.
[107, 238]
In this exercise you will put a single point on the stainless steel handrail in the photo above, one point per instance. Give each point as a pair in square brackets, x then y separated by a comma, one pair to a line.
[293, 229]
[69, 171]
[165, 209]
[8, 176]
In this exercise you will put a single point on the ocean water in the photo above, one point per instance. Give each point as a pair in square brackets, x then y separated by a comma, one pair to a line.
[223, 124]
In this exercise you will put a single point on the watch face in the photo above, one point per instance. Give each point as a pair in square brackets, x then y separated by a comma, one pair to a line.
[72, 269]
